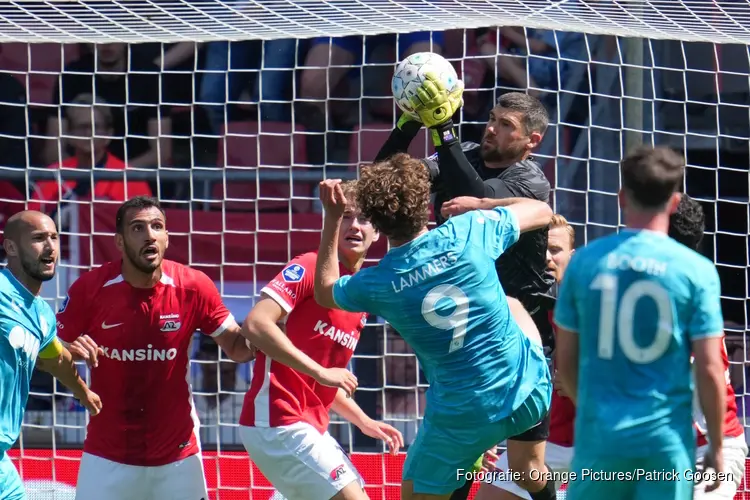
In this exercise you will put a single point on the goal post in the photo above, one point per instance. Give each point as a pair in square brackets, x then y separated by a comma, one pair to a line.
[236, 161]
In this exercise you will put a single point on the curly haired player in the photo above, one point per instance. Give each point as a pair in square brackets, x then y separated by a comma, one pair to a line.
[502, 166]
[488, 380]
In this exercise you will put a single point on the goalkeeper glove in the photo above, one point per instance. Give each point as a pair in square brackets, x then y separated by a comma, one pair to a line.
[434, 104]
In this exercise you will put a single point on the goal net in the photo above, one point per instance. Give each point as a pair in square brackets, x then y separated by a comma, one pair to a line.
[231, 112]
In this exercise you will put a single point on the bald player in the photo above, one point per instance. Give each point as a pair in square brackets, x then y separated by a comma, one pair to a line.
[29, 333]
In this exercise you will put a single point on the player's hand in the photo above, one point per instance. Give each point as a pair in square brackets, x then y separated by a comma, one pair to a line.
[558, 387]
[332, 197]
[490, 459]
[384, 432]
[460, 205]
[338, 377]
[434, 104]
[91, 402]
[85, 349]
[713, 459]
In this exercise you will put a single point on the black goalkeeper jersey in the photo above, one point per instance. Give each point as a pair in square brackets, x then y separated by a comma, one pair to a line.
[523, 267]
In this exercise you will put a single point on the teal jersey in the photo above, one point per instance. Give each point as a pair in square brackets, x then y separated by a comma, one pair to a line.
[636, 300]
[28, 325]
[442, 294]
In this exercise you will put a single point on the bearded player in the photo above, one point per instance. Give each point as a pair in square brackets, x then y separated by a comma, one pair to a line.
[29, 333]
[488, 380]
[286, 409]
[133, 320]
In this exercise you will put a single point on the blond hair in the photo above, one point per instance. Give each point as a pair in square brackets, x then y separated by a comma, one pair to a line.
[560, 221]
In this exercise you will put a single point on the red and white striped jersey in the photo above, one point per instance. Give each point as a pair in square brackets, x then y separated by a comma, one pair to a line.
[279, 395]
[147, 417]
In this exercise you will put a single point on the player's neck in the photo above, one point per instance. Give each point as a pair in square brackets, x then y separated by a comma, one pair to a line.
[351, 263]
[137, 278]
[497, 165]
[29, 283]
[397, 243]
[657, 222]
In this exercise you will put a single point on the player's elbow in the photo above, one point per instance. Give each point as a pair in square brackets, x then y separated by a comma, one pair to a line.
[533, 214]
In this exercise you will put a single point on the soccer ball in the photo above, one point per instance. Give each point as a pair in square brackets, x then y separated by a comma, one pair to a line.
[410, 73]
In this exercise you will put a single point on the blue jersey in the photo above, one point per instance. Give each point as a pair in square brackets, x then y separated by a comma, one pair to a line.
[27, 326]
[636, 300]
[442, 294]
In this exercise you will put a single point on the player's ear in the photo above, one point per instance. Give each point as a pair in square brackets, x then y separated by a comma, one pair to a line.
[10, 248]
[674, 202]
[375, 236]
[119, 242]
[535, 138]
[623, 199]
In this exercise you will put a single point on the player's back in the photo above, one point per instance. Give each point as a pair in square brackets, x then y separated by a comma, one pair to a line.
[27, 325]
[441, 293]
[636, 297]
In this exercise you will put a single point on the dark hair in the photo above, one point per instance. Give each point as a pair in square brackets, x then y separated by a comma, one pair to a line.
[535, 116]
[651, 175]
[394, 195]
[687, 224]
[137, 203]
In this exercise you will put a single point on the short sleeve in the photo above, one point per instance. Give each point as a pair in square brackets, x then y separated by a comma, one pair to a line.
[294, 283]
[707, 320]
[72, 318]
[49, 328]
[566, 314]
[214, 317]
[493, 230]
[350, 293]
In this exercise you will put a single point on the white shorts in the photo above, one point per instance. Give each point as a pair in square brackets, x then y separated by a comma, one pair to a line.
[735, 453]
[102, 479]
[300, 462]
[558, 459]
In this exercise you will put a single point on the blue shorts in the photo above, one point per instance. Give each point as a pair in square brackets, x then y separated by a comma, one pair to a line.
[353, 44]
[435, 463]
[11, 487]
[675, 486]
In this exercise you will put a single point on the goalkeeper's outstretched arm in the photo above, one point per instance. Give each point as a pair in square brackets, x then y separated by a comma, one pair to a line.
[400, 139]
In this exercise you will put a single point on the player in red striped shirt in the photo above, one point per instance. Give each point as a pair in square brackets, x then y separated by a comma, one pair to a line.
[285, 415]
[133, 321]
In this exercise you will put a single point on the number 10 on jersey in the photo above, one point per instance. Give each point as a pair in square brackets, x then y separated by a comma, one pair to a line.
[620, 318]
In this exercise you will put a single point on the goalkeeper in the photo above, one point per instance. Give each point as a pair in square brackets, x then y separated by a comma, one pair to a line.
[500, 167]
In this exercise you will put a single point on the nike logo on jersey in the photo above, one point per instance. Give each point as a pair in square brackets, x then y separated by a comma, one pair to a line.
[105, 326]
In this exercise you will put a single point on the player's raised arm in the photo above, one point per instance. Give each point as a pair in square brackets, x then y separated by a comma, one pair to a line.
[58, 362]
[327, 265]
[531, 214]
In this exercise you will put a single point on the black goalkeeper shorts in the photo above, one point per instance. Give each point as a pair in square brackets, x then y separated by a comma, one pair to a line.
[540, 432]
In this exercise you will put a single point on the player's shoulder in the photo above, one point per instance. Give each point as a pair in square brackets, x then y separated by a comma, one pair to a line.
[300, 268]
[691, 262]
[97, 277]
[182, 276]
